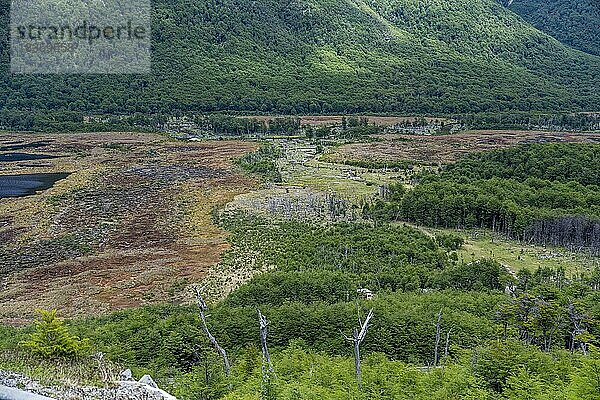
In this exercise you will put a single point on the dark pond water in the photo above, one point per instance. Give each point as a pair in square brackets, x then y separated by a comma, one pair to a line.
[9, 157]
[12, 146]
[27, 184]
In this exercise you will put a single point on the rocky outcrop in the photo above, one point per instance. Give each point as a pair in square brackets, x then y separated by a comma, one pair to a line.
[19, 387]
[8, 393]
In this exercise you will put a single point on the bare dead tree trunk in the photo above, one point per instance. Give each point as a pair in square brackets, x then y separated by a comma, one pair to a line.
[447, 345]
[99, 357]
[202, 309]
[579, 328]
[357, 358]
[264, 323]
[438, 333]
[267, 366]
[358, 335]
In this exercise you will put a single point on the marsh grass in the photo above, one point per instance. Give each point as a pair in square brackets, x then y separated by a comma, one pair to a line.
[88, 371]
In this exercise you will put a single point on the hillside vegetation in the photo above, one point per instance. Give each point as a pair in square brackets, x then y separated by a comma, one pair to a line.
[499, 344]
[323, 56]
[573, 22]
[443, 327]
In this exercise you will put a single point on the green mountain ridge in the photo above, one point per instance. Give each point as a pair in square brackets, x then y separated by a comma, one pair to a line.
[573, 22]
[325, 56]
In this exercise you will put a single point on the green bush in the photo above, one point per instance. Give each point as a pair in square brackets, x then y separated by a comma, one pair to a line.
[449, 241]
[51, 339]
[262, 162]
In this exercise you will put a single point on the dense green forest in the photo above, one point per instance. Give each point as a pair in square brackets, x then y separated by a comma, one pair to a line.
[573, 22]
[553, 162]
[325, 56]
[545, 193]
[531, 121]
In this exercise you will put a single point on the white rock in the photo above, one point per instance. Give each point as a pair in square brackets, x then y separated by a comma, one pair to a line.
[147, 380]
[126, 375]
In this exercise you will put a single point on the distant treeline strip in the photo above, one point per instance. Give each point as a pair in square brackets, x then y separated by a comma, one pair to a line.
[223, 124]
[531, 121]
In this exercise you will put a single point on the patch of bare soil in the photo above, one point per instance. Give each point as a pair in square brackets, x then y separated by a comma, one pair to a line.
[130, 226]
[448, 148]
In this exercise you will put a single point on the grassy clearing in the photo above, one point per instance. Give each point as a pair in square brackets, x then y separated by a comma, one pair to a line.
[131, 225]
[433, 150]
[301, 167]
[515, 255]
[519, 256]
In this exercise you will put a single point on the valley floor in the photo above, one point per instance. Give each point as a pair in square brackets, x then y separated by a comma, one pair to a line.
[142, 218]
[131, 224]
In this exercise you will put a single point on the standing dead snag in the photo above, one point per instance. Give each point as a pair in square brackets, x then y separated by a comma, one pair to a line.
[203, 307]
[356, 339]
[580, 331]
[263, 341]
[447, 345]
[267, 366]
[438, 333]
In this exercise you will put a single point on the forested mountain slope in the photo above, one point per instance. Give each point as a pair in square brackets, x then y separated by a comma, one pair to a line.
[323, 56]
[574, 22]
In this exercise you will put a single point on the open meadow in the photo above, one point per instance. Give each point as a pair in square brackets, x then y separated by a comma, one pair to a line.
[130, 224]
[443, 149]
